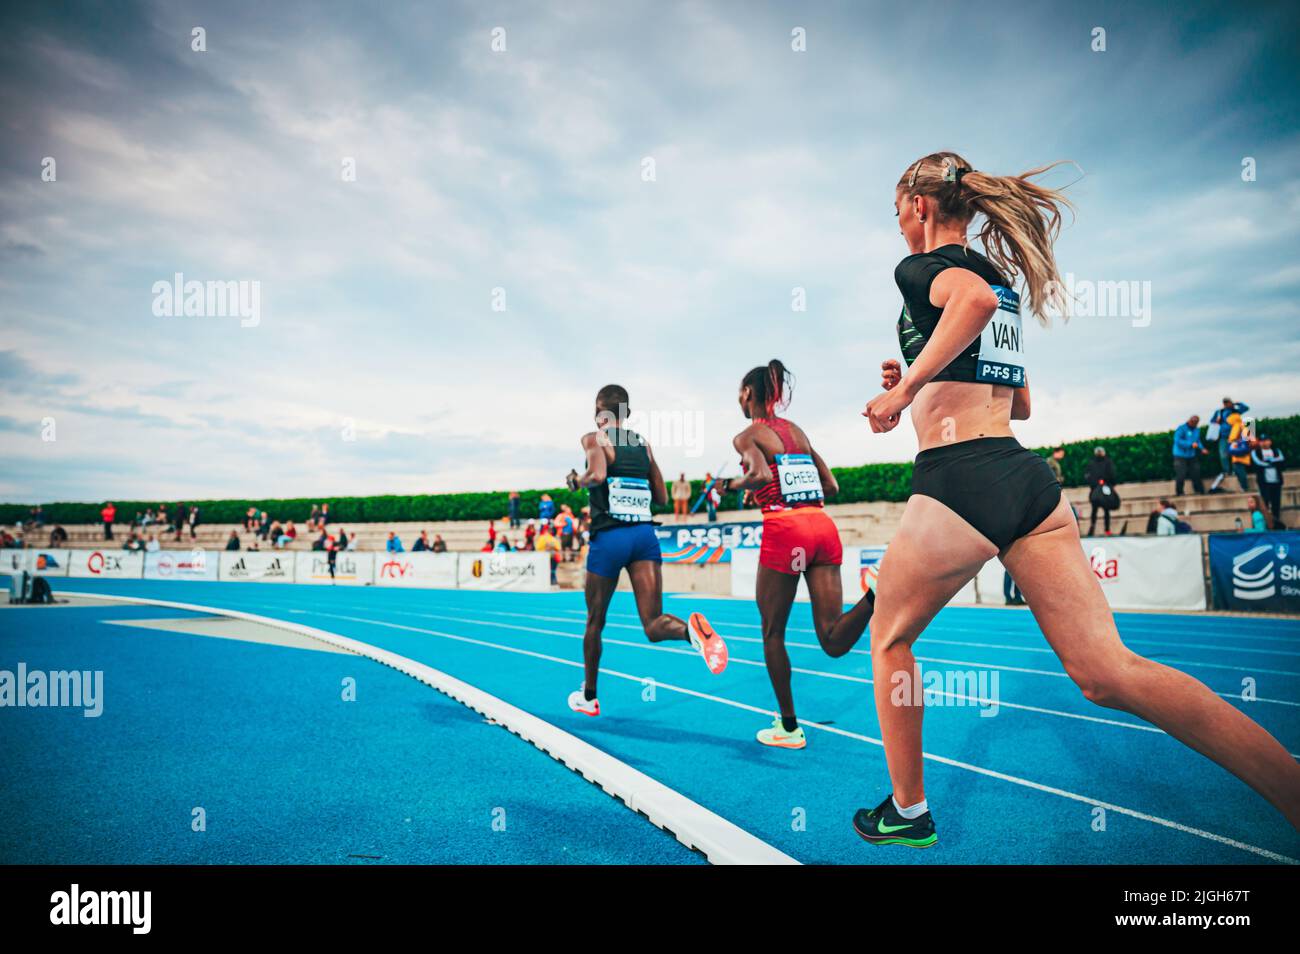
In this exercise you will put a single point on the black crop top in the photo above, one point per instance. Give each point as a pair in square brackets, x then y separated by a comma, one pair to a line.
[918, 320]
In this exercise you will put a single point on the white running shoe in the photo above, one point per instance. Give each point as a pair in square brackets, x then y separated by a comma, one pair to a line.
[579, 702]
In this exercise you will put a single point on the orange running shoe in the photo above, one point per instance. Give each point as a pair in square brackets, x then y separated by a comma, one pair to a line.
[707, 643]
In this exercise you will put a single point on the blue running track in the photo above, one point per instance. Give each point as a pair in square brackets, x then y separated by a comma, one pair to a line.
[259, 737]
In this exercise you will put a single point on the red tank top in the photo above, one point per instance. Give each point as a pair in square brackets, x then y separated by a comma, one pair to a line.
[769, 496]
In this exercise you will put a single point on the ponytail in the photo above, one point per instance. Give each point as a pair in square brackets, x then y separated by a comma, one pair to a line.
[772, 386]
[1021, 220]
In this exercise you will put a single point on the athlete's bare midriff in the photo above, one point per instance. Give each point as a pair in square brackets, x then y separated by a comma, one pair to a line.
[946, 412]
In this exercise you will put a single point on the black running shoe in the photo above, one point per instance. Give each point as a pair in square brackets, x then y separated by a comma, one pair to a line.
[883, 825]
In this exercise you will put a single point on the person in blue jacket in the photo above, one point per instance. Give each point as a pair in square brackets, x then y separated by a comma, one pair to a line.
[1219, 430]
[1187, 455]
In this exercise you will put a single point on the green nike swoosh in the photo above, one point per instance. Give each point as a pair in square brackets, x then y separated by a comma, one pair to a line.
[888, 829]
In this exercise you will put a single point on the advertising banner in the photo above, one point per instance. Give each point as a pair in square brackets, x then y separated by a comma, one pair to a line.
[180, 565]
[504, 571]
[106, 564]
[436, 570]
[350, 569]
[256, 566]
[708, 542]
[47, 562]
[1256, 571]
[1149, 572]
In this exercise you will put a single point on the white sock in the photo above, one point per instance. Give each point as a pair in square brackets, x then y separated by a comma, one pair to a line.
[912, 811]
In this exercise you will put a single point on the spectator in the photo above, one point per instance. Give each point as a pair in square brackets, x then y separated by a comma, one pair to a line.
[568, 528]
[179, 523]
[422, 544]
[152, 545]
[546, 507]
[1188, 451]
[1257, 522]
[487, 547]
[571, 480]
[250, 519]
[324, 515]
[1166, 515]
[107, 515]
[530, 532]
[1218, 430]
[394, 544]
[492, 531]
[1054, 462]
[1239, 448]
[711, 497]
[546, 543]
[264, 527]
[233, 542]
[1268, 474]
[194, 522]
[38, 516]
[1099, 475]
[1010, 592]
[439, 544]
[6, 540]
[503, 545]
[58, 536]
[681, 497]
[514, 510]
[148, 519]
[353, 542]
[331, 554]
[132, 543]
[313, 518]
[318, 545]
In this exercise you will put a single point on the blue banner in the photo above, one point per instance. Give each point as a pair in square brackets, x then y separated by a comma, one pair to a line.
[1256, 571]
[708, 543]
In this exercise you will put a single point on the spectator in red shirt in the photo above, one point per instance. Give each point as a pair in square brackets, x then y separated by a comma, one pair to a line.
[107, 515]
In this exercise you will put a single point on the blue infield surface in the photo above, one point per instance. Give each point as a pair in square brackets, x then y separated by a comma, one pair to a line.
[286, 771]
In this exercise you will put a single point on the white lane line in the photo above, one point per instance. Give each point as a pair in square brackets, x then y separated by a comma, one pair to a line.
[1232, 696]
[973, 645]
[990, 773]
[695, 826]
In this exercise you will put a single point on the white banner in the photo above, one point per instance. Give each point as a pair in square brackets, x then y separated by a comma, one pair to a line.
[1149, 572]
[350, 569]
[504, 571]
[260, 566]
[107, 564]
[416, 569]
[40, 562]
[13, 561]
[857, 563]
[180, 565]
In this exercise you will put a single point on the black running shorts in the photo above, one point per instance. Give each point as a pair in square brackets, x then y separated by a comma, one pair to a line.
[1001, 489]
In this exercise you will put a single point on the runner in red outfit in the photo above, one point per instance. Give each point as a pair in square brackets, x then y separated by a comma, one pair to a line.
[789, 481]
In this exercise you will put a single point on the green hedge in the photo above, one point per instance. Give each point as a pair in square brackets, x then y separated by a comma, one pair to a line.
[1137, 457]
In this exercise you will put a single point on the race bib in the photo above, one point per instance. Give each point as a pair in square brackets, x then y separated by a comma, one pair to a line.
[1002, 343]
[797, 476]
[629, 499]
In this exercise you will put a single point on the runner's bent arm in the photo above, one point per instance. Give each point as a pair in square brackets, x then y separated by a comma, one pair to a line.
[595, 473]
[756, 472]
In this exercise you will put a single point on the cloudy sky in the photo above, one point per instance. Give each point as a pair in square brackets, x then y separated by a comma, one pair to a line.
[443, 321]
